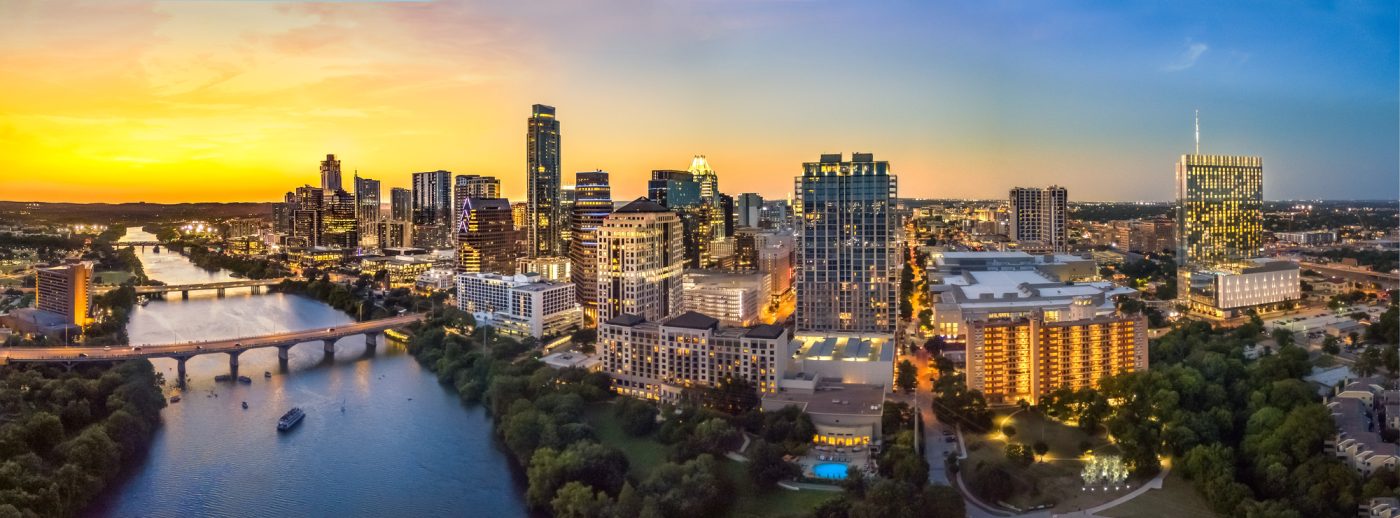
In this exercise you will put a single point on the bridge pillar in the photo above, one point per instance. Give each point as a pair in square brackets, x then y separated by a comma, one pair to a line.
[256, 289]
[329, 345]
[185, 294]
[371, 340]
[180, 371]
[233, 362]
[221, 292]
[282, 352]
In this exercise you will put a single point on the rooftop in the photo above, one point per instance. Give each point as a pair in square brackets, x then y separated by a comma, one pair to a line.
[692, 320]
[833, 398]
[642, 205]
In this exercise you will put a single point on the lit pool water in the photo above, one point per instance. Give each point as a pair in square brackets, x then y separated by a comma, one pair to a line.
[832, 470]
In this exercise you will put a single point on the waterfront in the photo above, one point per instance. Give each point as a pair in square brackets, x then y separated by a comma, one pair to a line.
[381, 436]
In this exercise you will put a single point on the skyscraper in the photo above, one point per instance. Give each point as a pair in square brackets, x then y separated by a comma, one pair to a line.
[680, 192]
[750, 209]
[432, 209]
[848, 265]
[472, 186]
[330, 174]
[486, 237]
[65, 290]
[400, 204]
[367, 211]
[542, 179]
[1219, 212]
[310, 208]
[339, 227]
[639, 262]
[704, 174]
[592, 204]
[1038, 216]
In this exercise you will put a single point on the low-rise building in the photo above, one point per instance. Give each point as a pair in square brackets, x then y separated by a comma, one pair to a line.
[557, 269]
[519, 305]
[660, 360]
[736, 299]
[435, 280]
[572, 360]
[1312, 237]
[1229, 290]
[1058, 267]
[1358, 442]
[402, 270]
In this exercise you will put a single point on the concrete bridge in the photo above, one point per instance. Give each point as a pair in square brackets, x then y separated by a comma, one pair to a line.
[181, 352]
[185, 289]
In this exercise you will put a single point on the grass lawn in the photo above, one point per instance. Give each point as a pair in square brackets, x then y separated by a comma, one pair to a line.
[1054, 479]
[112, 277]
[1324, 361]
[1176, 498]
[645, 453]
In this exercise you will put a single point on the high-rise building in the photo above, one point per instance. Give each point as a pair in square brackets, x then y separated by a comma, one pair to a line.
[727, 218]
[67, 291]
[394, 233]
[367, 211]
[338, 225]
[307, 216]
[1219, 213]
[750, 209]
[705, 175]
[1023, 359]
[640, 259]
[520, 305]
[432, 209]
[330, 174]
[567, 197]
[472, 186]
[542, 182]
[486, 237]
[680, 192]
[592, 204]
[1038, 217]
[400, 204]
[848, 272]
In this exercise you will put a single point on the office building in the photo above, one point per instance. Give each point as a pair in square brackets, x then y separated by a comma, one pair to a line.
[400, 204]
[659, 360]
[520, 305]
[848, 268]
[486, 237]
[543, 182]
[749, 209]
[367, 211]
[330, 174]
[432, 209]
[640, 258]
[307, 216]
[735, 299]
[472, 186]
[566, 217]
[1219, 214]
[1227, 290]
[680, 192]
[1314, 237]
[394, 233]
[1038, 217]
[555, 269]
[338, 225]
[65, 291]
[1012, 359]
[592, 204]
[401, 271]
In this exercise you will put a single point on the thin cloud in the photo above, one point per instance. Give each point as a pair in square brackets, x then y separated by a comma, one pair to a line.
[1188, 58]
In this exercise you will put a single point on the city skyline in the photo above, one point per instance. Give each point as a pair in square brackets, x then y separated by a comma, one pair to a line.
[243, 94]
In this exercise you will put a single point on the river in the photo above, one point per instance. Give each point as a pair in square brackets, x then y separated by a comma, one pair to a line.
[381, 436]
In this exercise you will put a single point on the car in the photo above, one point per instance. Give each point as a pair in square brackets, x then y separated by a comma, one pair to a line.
[198, 347]
[106, 347]
[136, 348]
[82, 355]
[330, 329]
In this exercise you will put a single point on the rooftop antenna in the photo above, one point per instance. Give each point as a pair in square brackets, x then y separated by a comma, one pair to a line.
[1198, 132]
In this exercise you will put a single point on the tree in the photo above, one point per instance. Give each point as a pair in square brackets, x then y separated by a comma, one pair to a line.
[766, 465]
[906, 376]
[636, 417]
[1282, 336]
[993, 484]
[1331, 345]
[578, 500]
[1019, 454]
[935, 345]
[1368, 362]
[1041, 448]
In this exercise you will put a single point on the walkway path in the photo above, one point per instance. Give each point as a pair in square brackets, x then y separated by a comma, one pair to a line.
[1155, 483]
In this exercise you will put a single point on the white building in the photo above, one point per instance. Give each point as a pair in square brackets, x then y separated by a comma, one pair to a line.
[1315, 237]
[520, 305]
[1013, 294]
[1229, 289]
[550, 268]
[659, 360]
[435, 280]
[640, 259]
[736, 299]
[1358, 442]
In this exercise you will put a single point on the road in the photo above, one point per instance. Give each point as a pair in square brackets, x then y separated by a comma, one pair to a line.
[186, 349]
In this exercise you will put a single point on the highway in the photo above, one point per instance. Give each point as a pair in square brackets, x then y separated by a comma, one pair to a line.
[165, 288]
[185, 350]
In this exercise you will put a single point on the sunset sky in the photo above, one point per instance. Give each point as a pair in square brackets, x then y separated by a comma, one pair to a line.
[117, 100]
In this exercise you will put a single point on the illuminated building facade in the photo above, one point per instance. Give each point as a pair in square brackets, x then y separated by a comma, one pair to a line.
[486, 236]
[432, 209]
[367, 211]
[338, 225]
[65, 291]
[394, 233]
[402, 270]
[308, 210]
[556, 269]
[1227, 290]
[472, 186]
[543, 182]
[640, 259]
[400, 204]
[1022, 359]
[1038, 216]
[736, 299]
[592, 204]
[1219, 213]
[520, 305]
[659, 360]
[847, 272]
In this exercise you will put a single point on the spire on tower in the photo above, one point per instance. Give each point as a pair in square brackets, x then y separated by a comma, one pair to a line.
[1198, 132]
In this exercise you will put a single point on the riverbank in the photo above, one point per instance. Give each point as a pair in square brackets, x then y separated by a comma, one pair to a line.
[197, 250]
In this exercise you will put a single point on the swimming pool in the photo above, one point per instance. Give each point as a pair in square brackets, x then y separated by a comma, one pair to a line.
[832, 470]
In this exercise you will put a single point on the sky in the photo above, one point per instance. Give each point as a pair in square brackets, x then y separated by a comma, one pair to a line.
[239, 100]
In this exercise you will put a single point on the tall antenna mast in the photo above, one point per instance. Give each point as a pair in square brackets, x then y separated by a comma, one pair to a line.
[1198, 132]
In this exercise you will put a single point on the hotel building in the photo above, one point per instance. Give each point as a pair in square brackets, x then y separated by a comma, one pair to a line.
[640, 258]
[1219, 214]
[65, 291]
[519, 305]
[848, 264]
[659, 360]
